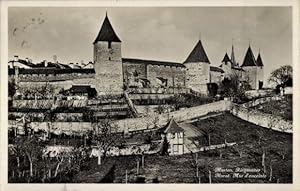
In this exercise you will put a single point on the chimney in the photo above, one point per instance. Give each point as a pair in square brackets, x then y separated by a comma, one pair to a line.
[16, 58]
[27, 60]
[45, 63]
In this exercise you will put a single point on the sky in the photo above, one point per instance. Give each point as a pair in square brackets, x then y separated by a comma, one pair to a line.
[166, 34]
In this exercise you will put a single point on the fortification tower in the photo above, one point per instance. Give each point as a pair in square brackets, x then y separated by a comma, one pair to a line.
[108, 60]
[260, 70]
[226, 66]
[250, 67]
[197, 69]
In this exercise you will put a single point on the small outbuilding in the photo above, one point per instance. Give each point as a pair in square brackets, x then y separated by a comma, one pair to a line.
[175, 137]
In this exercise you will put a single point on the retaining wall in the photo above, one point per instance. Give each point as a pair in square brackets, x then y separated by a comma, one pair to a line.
[137, 124]
[259, 118]
[260, 101]
[155, 121]
[48, 103]
[259, 93]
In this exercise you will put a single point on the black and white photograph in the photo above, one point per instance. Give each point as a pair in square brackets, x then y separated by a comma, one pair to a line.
[149, 95]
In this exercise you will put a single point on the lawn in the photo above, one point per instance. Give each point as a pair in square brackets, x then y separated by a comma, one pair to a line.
[283, 108]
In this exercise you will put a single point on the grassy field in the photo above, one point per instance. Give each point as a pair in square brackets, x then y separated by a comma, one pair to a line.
[283, 108]
[252, 141]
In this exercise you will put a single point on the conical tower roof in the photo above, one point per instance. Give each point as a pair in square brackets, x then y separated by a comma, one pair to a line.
[259, 60]
[198, 54]
[226, 58]
[249, 59]
[107, 32]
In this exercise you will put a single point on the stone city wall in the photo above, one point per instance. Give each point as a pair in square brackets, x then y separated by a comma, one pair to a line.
[175, 76]
[133, 72]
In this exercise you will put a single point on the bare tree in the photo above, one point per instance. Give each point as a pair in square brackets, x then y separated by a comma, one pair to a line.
[32, 148]
[105, 137]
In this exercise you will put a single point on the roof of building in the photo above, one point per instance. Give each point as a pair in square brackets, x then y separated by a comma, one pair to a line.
[237, 68]
[151, 62]
[29, 64]
[226, 58]
[107, 32]
[173, 127]
[198, 54]
[51, 65]
[81, 89]
[51, 71]
[259, 60]
[216, 69]
[249, 59]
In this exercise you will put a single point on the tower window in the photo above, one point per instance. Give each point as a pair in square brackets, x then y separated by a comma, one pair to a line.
[109, 44]
[109, 58]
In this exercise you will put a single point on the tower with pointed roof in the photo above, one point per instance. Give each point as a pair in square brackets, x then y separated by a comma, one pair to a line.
[197, 69]
[226, 66]
[260, 70]
[251, 67]
[108, 60]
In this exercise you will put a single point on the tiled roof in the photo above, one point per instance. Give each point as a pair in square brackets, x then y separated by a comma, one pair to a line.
[216, 69]
[107, 32]
[173, 127]
[151, 62]
[259, 60]
[249, 59]
[198, 54]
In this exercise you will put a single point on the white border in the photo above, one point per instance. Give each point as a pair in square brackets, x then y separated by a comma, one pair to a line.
[176, 3]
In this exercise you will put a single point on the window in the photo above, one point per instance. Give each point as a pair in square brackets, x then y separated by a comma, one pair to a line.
[109, 58]
[180, 135]
[109, 44]
[175, 148]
